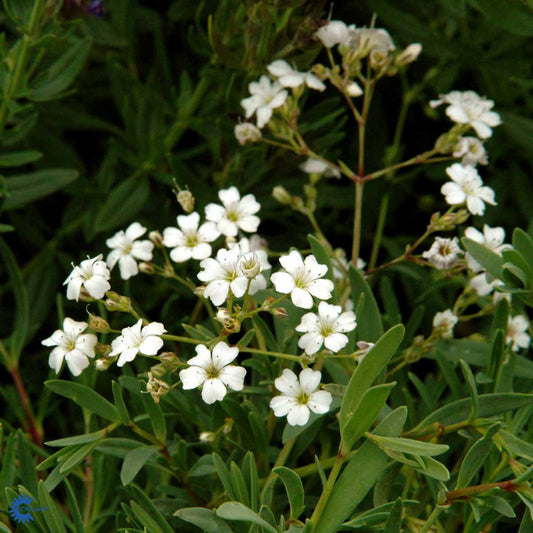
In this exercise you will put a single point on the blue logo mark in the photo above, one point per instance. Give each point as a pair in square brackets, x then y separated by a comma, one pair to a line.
[20, 509]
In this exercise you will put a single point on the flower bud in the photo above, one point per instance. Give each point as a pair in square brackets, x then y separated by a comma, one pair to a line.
[279, 312]
[353, 89]
[199, 291]
[207, 436]
[117, 302]
[447, 142]
[364, 348]
[103, 363]
[250, 265]
[99, 324]
[409, 55]
[156, 387]
[146, 268]
[223, 315]
[268, 303]
[228, 425]
[247, 132]
[103, 349]
[156, 238]
[282, 195]
[158, 371]
[186, 200]
[168, 357]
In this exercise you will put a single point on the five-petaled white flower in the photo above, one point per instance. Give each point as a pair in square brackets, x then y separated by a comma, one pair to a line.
[71, 346]
[126, 249]
[289, 77]
[91, 274]
[471, 151]
[137, 339]
[444, 253]
[315, 166]
[190, 240]
[467, 186]
[443, 323]
[225, 273]
[517, 335]
[299, 395]
[370, 41]
[467, 107]
[213, 372]
[302, 279]
[332, 33]
[325, 328]
[236, 213]
[247, 132]
[266, 96]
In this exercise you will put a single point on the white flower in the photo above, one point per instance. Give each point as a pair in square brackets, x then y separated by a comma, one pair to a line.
[467, 107]
[409, 54]
[517, 336]
[302, 279]
[253, 245]
[126, 249]
[137, 339]
[190, 240]
[472, 151]
[299, 395]
[467, 186]
[371, 41]
[247, 132]
[341, 265]
[325, 328]
[492, 238]
[315, 166]
[444, 253]
[92, 274]
[266, 96]
[444, 323]
[224, 274]
[332, 33]
[213, 372]
[288, 77]
[236, 212]
[71, 346]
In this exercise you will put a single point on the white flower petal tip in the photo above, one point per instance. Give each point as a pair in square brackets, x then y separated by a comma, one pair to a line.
[212, 372]
[444, 253]
[92, 275]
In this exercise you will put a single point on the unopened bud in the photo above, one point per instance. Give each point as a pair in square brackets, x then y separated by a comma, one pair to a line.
[146, 268]
[250, 265]
[156, 387]
[364, 348]
[158, 371]
[447, 142]
[103, 349]
[117, 302]
[223, 315]
[282, 195]
[267, 304]
[353, 89]
[247, 132]
[228, 425]
[186, 200]
[99, 324]
[199, 291]
[103, 363]
[156, 238]
[207, 436]
[279, 312]
[168, 357]
[409, 55]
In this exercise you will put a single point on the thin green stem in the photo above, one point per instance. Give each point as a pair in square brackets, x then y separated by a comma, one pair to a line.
[272, 354]
[432, 519]
[328, 488]
[382, 218]
[356, 243]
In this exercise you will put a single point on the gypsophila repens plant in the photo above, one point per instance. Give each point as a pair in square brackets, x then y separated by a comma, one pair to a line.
[277, 392]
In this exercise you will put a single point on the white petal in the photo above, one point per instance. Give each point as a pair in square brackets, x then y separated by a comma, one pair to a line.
[283, 282]
[309, 380]
[182, 254]
[223, 354]
[281, 405]
[189, 223]
[301, 298]
[97, 286]
[227, 227]
[201, 251]
[335, 342]
[55, 360]
[453, 192]
[249, 223]
[202, 357]
[214, 212]
[213, 390]
[229, 196]
[475, 205]
[113, 257]
[279, 68]
[192, 377]
[321, 288]
[72, 327]
[294, 79]
[217, 292]
[292, 262]
[135, 230]
[238, 286]
[263, 114]
[128, 267]
[142, 250]
[482, 129]
[127, 356]
[208, 232]
[319, 402]
[288, 383]
[298, 415]
[311, 342]
[151, 345]
[77, 362]
[233, 377]
[74, 288]
[86, 343]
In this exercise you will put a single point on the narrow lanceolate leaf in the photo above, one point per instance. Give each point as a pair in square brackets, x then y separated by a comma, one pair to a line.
[78, 439]
[471, 382]
[240, 513]
[205, 519]
[294, 488]
[17, 159]
[134, 461]
[52, 515]
[367, 371]
[365, 414]
[25, 188]
[85, 397]
[414, 447]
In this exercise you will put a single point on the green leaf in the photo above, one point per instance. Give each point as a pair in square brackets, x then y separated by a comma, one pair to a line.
[78, 439]
[22, 315]
[513, 17]
[471, 382]
[85, 397]
[51, 515]
[60, 75]
[368, 369]
[500, 505]
[134, 461]
[149, 506]
[523, 244]
[74, 508]
[294, 488]
[156, 416]
[239, 512]
[260, 433]
[246, 338]
[488, 259]
[369, 325]
[517, 446]
[239, 484]
[120, 404]
[414, 447]
[394, 522]
[365, 414]
[475, 458]
[224, 476]
[205, 519]
[360, 475]
[122, 204]
[323, 258]
[145, 518]
[25, 188]
[77, 457]
[17, 159]
[489, 405]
